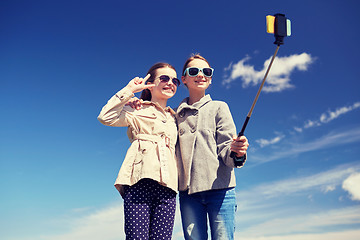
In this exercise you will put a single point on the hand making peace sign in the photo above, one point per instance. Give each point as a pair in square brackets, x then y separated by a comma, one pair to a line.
[138, 84]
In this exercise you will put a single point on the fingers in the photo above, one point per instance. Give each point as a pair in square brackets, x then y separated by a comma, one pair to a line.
[239, 145]
[147, 77]
[138, 104]
[236, 148]
[239, 151]
[138, 80]
[131, 104]
[239, 139]
[148, 86]
[137, 84]
[135, 103]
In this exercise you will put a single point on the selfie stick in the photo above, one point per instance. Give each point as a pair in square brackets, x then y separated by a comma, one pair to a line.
[280, 26]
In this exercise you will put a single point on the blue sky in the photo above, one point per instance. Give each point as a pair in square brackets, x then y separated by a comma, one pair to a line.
[61, 61]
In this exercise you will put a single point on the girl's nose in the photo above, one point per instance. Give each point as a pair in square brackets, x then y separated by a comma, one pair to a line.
[200, 74]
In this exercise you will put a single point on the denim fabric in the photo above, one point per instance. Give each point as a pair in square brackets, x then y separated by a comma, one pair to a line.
[219, 206]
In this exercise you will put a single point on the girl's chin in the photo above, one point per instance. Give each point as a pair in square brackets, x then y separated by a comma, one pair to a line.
[199, 87]
[168, 94]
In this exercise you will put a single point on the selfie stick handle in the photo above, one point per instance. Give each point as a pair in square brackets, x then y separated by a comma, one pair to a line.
[241, 133]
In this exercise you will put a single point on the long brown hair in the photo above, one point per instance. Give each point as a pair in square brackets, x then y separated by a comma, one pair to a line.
[146, 94]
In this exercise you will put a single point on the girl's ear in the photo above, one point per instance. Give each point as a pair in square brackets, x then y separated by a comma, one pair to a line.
[183, 79]
[148, 83]
[149, 88]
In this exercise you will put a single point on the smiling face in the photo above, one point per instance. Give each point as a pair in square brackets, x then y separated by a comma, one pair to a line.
[199, 82]
[162, 89]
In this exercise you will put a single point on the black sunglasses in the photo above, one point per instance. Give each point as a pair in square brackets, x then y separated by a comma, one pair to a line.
[194, 71]
[166, 78]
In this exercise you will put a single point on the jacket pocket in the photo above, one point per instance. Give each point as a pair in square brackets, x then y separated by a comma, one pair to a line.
[138, 163]
[136, 170]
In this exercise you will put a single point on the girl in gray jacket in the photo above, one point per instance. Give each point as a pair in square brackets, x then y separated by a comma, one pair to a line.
[206, 137]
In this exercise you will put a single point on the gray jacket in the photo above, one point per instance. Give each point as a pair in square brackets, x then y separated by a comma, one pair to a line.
[205, 131]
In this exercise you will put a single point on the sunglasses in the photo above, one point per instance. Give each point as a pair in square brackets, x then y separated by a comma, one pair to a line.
[194, 71]
[166, 78]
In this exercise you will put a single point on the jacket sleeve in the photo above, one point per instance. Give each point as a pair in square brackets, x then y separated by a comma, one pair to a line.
[112, 113]
[225, 129]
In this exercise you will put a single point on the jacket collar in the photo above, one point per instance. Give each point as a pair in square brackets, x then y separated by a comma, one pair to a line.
[167, 109]
[196, 106]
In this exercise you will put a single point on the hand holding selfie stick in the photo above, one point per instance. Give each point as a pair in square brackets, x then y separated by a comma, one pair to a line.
[280, 26]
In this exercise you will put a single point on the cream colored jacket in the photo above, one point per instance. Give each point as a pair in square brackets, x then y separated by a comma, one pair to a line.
[152, 132]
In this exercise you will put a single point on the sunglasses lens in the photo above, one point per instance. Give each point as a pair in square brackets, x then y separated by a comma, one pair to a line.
[176, 81]
[207, 72]
[193, 71]
[164, 78]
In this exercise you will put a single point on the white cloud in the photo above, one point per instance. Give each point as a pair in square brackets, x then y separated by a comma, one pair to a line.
[279, 75]
[290, 149]
[273, 205]
[265, 142]
[324, 180]
[103, 224]
[329, 188]
[352, 185]
[310, 124]
[330, 115]
[305, 226]
[298, 129]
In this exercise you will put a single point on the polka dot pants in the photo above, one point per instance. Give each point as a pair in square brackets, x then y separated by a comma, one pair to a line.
[149, 210]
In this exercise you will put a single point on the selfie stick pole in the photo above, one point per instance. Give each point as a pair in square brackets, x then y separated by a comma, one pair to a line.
[241, 133]
[281, 28]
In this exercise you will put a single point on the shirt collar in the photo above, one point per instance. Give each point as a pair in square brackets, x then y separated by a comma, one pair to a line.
[197, 105]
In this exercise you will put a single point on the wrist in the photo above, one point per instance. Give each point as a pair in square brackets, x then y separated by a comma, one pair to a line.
[129, 88]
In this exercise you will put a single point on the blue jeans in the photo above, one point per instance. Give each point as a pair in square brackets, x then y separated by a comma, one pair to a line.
[217, 205]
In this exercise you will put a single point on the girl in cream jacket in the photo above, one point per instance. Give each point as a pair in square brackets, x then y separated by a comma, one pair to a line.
[148, 179]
